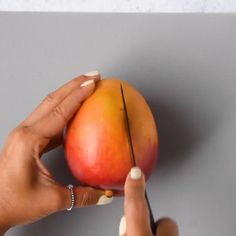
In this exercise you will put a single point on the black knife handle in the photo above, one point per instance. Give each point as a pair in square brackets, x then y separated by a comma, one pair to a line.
[152, 221]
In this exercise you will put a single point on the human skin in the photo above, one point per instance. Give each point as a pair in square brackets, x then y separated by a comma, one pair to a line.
[28, 190]
[135, 221]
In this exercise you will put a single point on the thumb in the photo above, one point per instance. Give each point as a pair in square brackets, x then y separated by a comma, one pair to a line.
[84, 196]
[61, 197]
[136, 220]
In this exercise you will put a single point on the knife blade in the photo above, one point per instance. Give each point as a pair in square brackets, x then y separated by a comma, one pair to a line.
[132, 156]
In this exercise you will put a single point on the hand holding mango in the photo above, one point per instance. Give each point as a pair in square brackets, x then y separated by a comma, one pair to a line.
[96, 142]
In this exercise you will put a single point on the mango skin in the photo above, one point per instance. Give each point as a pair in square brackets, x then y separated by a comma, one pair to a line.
[96, 143]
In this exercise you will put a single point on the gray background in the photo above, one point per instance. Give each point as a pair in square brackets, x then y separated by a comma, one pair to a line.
[185, 67]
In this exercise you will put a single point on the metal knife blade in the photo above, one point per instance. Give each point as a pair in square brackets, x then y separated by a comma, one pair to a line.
[133, 161]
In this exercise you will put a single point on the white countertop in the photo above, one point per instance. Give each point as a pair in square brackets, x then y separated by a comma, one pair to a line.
[120, 5]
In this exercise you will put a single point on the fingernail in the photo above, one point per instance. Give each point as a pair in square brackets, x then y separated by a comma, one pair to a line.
[92, 73]
[104, 200]
[136, 173]
[122, 226]
[87, 82]
[109, 193]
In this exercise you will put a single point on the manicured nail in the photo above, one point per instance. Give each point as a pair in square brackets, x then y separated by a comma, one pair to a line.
[135, 173]
[104, 200]
[87, 82]
[109, 193]
[92, 73]
[122, 226]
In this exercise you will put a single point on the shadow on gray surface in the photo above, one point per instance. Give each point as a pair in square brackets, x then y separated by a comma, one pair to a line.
[84, 221]
[179, 133]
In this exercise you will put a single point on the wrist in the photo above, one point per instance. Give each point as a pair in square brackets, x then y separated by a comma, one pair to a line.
[4, 223]
[4, 226]
[4, 212]
[3, 229]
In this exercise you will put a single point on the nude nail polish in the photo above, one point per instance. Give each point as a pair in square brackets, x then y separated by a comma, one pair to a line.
[122, 226]
[86, 83]
[135, 173]
[92, 73]
[104, 200]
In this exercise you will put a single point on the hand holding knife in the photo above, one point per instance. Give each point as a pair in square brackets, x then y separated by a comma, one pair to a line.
[132, 157]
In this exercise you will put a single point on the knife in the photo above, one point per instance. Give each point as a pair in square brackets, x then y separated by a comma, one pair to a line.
[132, 157]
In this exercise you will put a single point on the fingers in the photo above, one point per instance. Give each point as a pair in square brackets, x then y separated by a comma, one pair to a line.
[85, 196]
[55, 98]
[167, 227]
[53, 124]
[136, 221]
